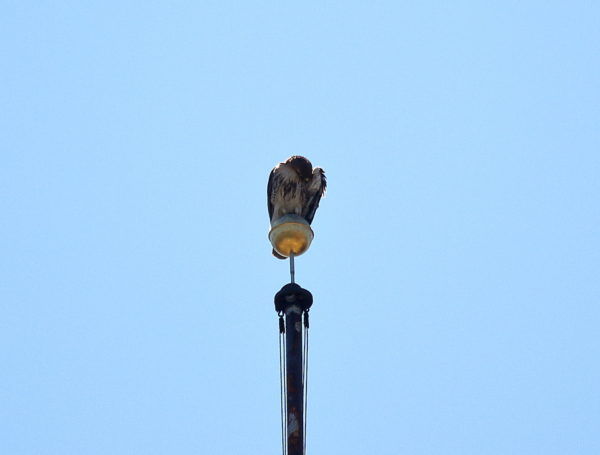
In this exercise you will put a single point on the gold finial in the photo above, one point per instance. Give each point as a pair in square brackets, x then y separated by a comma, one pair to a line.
[291, 235]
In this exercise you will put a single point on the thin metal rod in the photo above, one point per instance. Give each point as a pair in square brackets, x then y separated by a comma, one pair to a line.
[292, 268]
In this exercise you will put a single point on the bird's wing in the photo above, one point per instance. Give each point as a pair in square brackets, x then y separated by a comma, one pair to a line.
[270, 192]
[316, 189]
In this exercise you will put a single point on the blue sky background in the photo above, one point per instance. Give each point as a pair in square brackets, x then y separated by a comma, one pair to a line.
[455, 266]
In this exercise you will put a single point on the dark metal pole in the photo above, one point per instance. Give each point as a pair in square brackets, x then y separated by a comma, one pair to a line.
[295, 385]
[292, 301]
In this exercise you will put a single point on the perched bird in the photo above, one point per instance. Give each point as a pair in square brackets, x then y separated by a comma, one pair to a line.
[295, 188]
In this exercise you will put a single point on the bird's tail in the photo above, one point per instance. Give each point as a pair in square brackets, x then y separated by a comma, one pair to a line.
[277, 255]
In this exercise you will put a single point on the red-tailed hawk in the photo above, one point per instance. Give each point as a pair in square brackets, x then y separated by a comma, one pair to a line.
[295, 188]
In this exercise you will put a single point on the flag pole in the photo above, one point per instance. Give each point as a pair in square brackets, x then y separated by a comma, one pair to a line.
[293, 301]
[291, 236]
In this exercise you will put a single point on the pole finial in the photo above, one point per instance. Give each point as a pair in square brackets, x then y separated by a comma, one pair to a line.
[291, 235]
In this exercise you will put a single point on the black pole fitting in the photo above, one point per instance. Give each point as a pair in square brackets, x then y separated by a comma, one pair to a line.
[293, 294]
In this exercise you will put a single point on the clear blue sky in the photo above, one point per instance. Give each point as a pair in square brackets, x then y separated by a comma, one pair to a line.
[455, 266]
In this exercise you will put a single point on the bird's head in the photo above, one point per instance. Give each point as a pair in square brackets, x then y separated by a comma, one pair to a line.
[302, 166]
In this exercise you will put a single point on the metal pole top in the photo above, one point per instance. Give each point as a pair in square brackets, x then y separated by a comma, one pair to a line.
[293, 294]
[291, 235]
